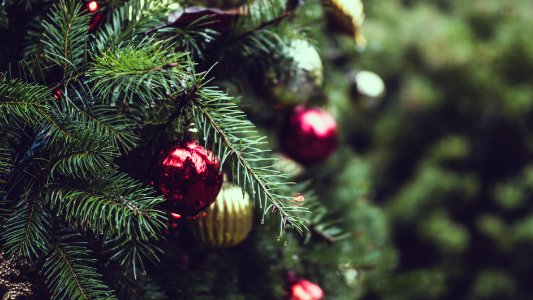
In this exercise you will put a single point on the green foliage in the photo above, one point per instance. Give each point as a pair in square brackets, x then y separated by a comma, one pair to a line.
[70, 273]
[493, 283]
[416, 284]
[128, 24]
[65, 36]
[456, 238]
[26, 232]
[84, 164]
[82, 123]
[6, 161]
[451, 144]
[22, 103]
[194, 38]
[431, 186]
[147, 72]
[119, 210]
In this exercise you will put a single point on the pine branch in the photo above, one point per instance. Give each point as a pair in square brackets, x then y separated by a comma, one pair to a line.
[129, 23]
[321, 224]
[194, 38]
[97, 125]
[85, 164]
[70, 273]
[119, 211]
[146, 72]
[6, 161]
[22, 103]
[55, 129]
[235, 138]
[26, 232]
[65, 35]
[75, 121]
[109, 212]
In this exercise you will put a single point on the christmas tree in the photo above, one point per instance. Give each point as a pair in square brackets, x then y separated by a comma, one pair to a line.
[185, 150]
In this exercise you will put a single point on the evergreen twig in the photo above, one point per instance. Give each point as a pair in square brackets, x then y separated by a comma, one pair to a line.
[26, 232]
[70, 273]
[235, 138]
[65, 36]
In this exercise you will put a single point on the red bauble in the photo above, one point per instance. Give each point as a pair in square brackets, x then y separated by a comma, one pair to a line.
[309, 136]
[305, 290]
[189, 177]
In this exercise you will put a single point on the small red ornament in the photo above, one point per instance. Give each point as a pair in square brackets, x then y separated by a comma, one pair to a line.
[309, 136]
[175, 216]
[303, 289]
[92, 6]
[58, 94]
[188, 176]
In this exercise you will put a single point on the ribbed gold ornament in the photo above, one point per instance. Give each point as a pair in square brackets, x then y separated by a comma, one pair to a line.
[349, 16]
[227, 222]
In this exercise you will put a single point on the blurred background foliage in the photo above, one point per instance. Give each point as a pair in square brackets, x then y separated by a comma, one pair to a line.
[450, 146]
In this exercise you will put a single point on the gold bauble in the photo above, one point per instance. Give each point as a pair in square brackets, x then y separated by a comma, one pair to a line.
[348, 16]
[227, 222]
[302, 84]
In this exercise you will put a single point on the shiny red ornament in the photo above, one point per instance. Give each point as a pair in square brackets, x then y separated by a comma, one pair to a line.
[305, 290]
[188, 176]
[58, 94]
[92, 6]
[309, 136]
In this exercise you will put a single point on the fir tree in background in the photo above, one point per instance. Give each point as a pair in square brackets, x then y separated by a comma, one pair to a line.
[118, 120]
[450, 145]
